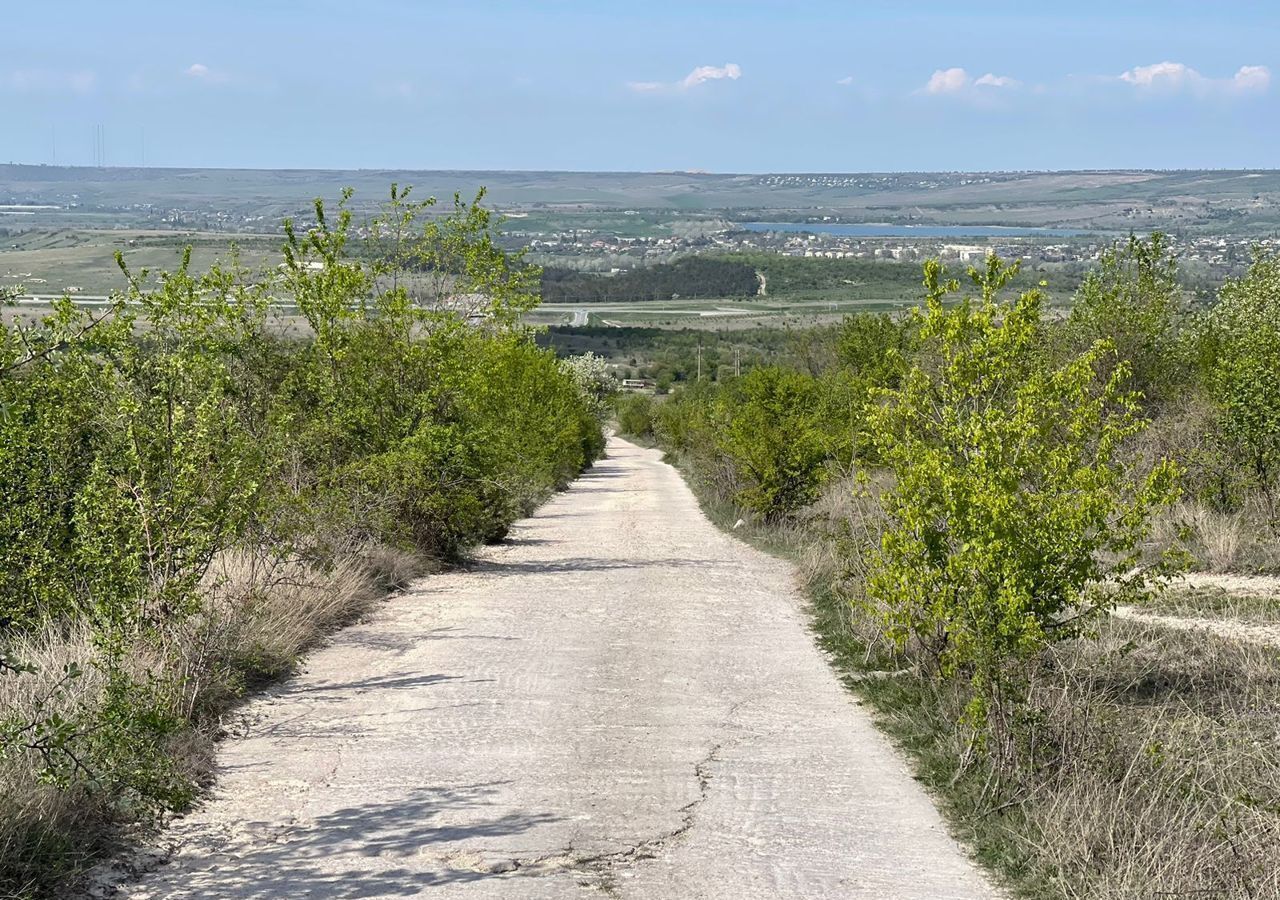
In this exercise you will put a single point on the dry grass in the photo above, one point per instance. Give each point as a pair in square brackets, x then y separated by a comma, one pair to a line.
[259, 614]
[38, 820]
[1166, 775]
[1242, 541]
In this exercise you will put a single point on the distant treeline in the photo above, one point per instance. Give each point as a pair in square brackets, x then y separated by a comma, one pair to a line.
[693, 276]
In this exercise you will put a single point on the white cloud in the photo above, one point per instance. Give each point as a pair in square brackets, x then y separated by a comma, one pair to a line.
[711, 73]
[1174, 76]
[846, 80]
[1165, 74]
[1252, 78]
[700, 75]
[997, 81]
[947, 81]
[957, 80]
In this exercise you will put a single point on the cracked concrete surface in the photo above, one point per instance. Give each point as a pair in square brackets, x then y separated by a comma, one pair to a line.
[620, 701]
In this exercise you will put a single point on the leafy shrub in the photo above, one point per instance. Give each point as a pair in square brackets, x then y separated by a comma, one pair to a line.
[180, 427]
[1008, 492]
[771, 427]
[872, 347]
[636, 415]
[1133, 301]
[1240, 337]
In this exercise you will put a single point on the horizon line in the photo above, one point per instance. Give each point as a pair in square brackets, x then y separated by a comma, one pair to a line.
[689, 172]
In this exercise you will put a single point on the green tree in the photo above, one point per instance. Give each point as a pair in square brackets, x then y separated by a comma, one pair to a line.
[1133, 300]
[872, 347]
[636, 415]
[771, 427]
[1012, 519]
[1240, 338]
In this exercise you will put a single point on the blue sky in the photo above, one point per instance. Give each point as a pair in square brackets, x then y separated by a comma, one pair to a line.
[747, 86]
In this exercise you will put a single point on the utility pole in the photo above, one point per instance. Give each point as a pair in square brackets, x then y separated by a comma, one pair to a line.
[737, 361]
[699, 361]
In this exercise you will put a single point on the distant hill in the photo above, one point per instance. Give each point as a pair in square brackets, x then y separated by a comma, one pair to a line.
[1208, 201]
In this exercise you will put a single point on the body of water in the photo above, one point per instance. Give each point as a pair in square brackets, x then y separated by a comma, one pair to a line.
[916, 231]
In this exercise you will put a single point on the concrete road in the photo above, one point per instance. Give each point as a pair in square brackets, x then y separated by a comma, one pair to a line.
[620, 701]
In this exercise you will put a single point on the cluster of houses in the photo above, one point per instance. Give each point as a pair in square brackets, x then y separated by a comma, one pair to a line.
[612, 252]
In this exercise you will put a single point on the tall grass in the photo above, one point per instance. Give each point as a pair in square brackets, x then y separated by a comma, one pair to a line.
[1242, 540]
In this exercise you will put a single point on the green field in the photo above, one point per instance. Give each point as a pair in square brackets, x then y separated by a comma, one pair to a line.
[799, 291]
[52, 262]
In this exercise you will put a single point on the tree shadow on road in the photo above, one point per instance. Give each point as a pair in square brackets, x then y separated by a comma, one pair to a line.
[393, 849]
[338, 690]
[588, 564]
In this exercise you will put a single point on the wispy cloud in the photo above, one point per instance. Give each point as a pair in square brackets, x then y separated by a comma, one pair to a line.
[700, 75]
[846, 80]
[1174, 77]
[202, 73]
[1252, 78]
[50, 81]
[397, 90]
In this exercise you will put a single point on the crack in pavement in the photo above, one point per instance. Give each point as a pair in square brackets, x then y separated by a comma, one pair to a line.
[604, 865]
[601, 868]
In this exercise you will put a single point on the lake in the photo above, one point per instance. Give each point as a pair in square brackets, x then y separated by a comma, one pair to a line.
[916, 231]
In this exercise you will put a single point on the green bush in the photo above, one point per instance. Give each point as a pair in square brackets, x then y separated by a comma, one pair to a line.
[636, 415]
[1012, 518]
[182, 426]
[872, 347]
[770, 426]
[1133, 301]
[1240, 346]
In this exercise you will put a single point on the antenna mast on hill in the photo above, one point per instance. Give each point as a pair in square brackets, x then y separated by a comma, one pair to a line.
[99, 145]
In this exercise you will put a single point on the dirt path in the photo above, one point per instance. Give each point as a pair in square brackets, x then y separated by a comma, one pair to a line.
[1268, 635]
[1247, 585]
[1266, 586]
[621, 701]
